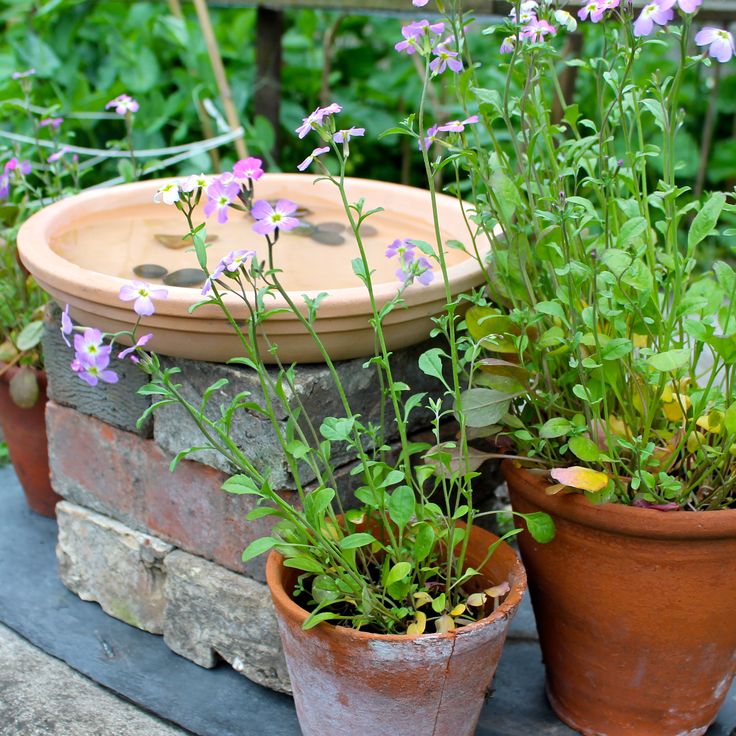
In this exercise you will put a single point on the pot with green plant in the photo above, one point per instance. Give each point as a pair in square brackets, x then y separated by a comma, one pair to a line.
[396, 611]
[617, 349]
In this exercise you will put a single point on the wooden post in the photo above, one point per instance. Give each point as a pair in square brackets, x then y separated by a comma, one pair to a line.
[231, 114]
[267, 94]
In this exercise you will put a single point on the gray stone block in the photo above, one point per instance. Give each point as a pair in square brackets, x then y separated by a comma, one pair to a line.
[118, 404]
[101, 560]
[212, 612]
[314, 388]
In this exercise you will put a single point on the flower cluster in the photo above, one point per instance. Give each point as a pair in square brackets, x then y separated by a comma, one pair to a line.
[92, 358]
[123, 105]
[412, 265]
[425, 38]
[454, 126]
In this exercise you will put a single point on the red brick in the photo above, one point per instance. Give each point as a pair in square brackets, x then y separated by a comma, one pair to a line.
[126, 477]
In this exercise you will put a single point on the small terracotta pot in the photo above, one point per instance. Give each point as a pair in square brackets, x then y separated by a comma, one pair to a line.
[348, 681]
[25, 434]
[635, 610]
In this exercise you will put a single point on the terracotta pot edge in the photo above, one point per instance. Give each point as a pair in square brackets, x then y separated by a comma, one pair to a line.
[283, 602]
[620, 518]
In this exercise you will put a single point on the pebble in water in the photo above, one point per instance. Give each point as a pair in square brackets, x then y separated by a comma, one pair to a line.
[186, 277]
[325, 237]
[304, 230]
[150, 271]
[332, 227]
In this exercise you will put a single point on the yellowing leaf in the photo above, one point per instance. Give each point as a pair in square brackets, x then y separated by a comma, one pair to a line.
[640, 341]
[554, 489]
[477, 599]
[421, 599]
[459, 610]
[676, 410]
[711, 422]
[618, 427]
[419, 625]
[498, 590]
[444, 624]
[694, 441]
[581, 478]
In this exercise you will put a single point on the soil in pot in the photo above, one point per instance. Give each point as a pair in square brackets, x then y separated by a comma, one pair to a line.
[25, 434]
[348, 681]
[635, 611]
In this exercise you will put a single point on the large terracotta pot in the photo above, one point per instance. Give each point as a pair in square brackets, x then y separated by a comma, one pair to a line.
[636, 611]
[348, 681]
[25, 434]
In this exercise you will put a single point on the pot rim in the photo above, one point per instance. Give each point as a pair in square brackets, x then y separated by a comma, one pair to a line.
[298, 615]
[619, 518]
[61, 275]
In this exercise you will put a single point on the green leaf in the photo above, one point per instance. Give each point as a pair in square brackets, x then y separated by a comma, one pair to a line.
[557, 427]
[540, 526]
[430, 363]
[317, 503]
[318, 618]
[670, 360]
[401, 506]
[616, 348]
[554, 309]
[297, 449]
[423, 542]
[359, 539]
[306, 564]
[241, 484]
[337, 430]
[258, 547]
[585, 449]
[631, 231]
[30, 336]
[705, 220]
[481, 407]
[729, 419]
[398, 572]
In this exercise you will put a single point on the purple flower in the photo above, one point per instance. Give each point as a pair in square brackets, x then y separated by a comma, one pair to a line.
[595, 9]
[271, 218]
[248, 168]
[689, 6]
[719, 41]
[23, 75]
[54, 123]
[317, 118]
[4, 186]
[508, 45]
[419, 3]
[89, 345]
[413, 267]
[527, 12]
[458, 126]
[94, 370]
[54, 157]
[659, 12]
[537, 30]
[445, 58]
[144, 294]
[143, 341]
[344, 136]
[312, 156]
[415, 33]
[220, 194]
[123, 104]
[399, 248]
[429, 139]
[66, 326]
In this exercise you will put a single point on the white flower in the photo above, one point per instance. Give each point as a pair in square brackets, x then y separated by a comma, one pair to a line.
[564, 19]
[168, 193]
[193, 182]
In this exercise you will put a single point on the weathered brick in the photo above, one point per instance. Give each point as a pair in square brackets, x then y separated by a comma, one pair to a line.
[118, 404]
[214, 613]
[316, 392]
[127, 478]
[104, 561]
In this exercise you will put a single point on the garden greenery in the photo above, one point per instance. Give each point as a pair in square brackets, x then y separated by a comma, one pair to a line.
[597, 352]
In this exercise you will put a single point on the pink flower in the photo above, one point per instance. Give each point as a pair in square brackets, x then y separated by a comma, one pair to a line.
[689, 6]
[312, 156]
[317, 118]
[458, 126]
[429, 139]
[66, 326]
[445, 58]
[248, 168]
[143, 294]
[595, 9]
[51, 122]
[54, 157]
[419, 3]
[23, 167]
[508, 45]
[719, 41]
[659, 13]
[415, 33]
[23, 75]
[271, 218]
[89, 345]
[537, 30]
[144, 340]
[220, 194]
[344, 136]
[94, 370]
[123, 105]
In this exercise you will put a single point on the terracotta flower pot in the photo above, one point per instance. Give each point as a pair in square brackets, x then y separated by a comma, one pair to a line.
[635, 611]
[25, 434]
[347, 681]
